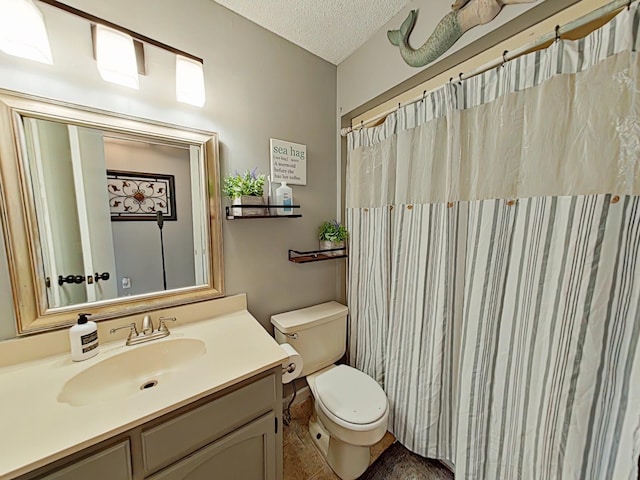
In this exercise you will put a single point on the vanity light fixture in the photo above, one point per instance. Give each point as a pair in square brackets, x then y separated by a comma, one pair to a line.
[189, 81]
[116, 56]
[22, 31]
[119, 51]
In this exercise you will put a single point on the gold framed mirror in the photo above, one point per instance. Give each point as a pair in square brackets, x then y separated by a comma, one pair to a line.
[104, 213]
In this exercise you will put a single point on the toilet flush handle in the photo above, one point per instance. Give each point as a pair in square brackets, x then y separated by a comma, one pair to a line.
[292, 335]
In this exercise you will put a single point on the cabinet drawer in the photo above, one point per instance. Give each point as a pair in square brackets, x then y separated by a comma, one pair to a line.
[172, 440]
[111, 464]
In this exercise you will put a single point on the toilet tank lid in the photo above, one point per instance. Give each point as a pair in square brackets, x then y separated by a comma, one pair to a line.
[296, 320]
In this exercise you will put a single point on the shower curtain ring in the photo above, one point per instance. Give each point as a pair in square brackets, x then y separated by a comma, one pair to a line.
[460, 78]
[504, 57]
[557, 33]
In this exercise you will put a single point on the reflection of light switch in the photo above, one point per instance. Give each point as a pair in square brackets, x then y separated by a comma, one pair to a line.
[126, 282]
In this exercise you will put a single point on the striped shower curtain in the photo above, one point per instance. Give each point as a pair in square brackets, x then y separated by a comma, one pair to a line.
[494, 270]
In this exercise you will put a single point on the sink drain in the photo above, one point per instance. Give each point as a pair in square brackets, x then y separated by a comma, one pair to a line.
[149, 384]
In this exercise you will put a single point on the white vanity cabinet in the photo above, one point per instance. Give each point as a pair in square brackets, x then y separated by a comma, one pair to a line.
[233, 434]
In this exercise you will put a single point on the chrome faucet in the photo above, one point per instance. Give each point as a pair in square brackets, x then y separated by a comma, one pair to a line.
[148, 333]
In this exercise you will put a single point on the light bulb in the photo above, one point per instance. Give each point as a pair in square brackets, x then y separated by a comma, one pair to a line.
[189, 81]
[116, 57]
[22, 31]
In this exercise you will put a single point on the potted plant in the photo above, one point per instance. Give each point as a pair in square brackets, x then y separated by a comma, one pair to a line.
[332, 234]
[245, 189]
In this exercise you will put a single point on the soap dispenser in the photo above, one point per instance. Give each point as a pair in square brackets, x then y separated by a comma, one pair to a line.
[83, 338]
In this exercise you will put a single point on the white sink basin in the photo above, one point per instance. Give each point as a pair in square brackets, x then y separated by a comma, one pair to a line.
[128, 373]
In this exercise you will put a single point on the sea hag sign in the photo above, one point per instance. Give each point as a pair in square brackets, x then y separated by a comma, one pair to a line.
[288, 162]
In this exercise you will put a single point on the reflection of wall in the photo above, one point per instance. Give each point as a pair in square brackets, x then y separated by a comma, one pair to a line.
[258, 86]
[137, 244]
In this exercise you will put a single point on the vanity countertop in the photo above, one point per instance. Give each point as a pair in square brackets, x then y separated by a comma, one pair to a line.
[37, 429]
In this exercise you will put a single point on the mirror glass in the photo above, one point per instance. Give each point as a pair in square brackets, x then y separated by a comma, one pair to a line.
[114, 213]
[104, 213]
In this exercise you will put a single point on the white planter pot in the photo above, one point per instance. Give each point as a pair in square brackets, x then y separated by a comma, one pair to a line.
[327, 245]
[247, 200]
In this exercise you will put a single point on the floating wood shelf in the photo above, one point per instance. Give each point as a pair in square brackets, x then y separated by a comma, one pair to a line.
[268, 208]
[316, 255]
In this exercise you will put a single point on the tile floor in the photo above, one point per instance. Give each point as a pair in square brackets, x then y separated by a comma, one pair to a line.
[302, 460]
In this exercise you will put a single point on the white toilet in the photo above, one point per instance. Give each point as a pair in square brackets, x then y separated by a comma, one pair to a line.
[350, 408]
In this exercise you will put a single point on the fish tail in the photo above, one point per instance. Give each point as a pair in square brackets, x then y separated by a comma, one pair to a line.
[446, 33]
[396, 37]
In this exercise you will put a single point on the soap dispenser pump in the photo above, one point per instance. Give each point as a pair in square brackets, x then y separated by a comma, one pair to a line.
[83, 337]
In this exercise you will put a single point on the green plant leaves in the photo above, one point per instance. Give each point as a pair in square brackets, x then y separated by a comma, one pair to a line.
[332, 231]
[249, 183]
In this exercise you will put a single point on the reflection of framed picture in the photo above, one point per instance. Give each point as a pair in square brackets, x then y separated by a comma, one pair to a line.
[140, 196]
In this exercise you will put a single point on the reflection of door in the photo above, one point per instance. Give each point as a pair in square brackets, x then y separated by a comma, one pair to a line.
[55, 196]
[69, 177]
[90, 173]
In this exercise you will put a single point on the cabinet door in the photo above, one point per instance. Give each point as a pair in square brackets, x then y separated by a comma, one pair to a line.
[173, 440]
[111, 464]
[249, 453]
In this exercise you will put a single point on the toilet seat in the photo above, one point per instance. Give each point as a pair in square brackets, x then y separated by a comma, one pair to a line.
[350, 397]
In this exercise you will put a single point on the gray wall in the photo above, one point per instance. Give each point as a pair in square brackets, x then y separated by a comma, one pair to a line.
[258, 86]
[136, 244]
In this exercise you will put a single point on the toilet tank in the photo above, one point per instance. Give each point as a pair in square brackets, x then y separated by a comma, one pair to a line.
[318, 333]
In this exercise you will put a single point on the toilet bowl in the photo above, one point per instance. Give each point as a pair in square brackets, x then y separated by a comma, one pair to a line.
[350, 414]
[350, 408]
[350, 403]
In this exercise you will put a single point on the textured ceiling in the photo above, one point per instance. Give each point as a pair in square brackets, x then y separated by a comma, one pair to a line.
[331, 29]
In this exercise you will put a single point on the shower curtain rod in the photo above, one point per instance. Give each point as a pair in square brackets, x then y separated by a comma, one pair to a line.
[507, 56]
